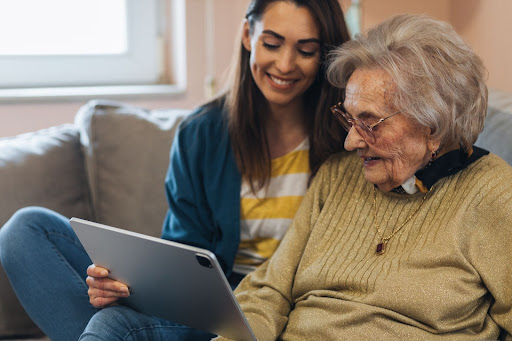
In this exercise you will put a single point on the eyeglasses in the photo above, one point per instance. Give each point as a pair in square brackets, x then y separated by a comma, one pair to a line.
[347, 122]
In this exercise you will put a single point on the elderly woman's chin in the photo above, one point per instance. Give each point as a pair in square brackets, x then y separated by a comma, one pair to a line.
[387, 177]
[391, 173]
[382, 183]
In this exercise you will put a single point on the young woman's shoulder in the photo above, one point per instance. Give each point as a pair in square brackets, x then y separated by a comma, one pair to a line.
[206, 124]
[204, 116]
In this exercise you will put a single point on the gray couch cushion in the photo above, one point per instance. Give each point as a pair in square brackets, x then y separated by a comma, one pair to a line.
[44, 168]
[127, 154]
[497, 134]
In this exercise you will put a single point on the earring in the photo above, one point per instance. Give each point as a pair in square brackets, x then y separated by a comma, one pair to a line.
[433, 155]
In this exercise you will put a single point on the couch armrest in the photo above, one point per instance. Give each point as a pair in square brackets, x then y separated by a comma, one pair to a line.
[43, 168]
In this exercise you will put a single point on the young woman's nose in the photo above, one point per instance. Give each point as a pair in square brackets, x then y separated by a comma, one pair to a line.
[286, 61]
[354, 140]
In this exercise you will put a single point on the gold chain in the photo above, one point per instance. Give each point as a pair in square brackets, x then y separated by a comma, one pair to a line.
[381, 247]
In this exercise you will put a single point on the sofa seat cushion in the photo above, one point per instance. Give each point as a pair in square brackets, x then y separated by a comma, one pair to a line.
[127, 155]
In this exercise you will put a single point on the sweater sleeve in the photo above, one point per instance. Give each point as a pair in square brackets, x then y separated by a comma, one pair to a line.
[490, 246]
[265, 295]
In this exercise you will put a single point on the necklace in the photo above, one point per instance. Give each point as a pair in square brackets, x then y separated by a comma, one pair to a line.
[381, 247]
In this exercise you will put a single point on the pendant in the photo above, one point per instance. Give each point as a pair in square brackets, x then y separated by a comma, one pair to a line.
[381, 247]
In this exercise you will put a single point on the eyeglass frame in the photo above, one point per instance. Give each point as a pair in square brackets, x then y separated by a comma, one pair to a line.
[347, 121]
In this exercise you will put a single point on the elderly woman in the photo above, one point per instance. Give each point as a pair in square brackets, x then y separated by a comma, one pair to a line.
[410, 236]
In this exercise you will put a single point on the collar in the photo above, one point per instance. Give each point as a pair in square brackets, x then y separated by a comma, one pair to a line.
[445, 165]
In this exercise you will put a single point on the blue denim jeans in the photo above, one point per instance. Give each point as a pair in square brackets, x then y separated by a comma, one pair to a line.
[46, 265]
[123, 323]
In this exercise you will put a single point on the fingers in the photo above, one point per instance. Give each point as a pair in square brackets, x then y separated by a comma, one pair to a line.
[102, 302]
[97, 278]
[96, 271]
[107, 286]
[103, 291]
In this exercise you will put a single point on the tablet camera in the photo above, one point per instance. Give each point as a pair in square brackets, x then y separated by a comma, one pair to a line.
[204, 261]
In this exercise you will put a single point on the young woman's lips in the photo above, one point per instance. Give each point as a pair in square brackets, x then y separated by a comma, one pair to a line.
[281, 83]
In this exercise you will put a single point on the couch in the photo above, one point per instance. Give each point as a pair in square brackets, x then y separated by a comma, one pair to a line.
[109, 166]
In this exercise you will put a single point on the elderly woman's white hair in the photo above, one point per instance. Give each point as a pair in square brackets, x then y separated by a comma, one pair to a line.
[440, 81]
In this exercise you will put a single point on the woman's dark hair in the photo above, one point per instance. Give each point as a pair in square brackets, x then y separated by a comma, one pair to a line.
[246, 104]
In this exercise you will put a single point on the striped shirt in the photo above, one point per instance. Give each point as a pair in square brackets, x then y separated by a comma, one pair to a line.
[266, 215]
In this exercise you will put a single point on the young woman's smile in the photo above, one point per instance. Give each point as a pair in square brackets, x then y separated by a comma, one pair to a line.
[281, 83]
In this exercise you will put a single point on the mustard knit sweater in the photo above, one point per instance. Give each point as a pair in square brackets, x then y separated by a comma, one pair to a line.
[447, 274]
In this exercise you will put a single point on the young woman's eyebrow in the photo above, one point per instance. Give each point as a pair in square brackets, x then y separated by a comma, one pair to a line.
[310, 40]
[301, 41]
[277, 35]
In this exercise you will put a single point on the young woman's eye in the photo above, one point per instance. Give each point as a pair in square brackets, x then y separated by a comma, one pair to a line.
[270, 46]
[307, 53]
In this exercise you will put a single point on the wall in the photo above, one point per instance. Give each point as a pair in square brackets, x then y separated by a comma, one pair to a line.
[486, 26]
[375, 11]
[483, 24]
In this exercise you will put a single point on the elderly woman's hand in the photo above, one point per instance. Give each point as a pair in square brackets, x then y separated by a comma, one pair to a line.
[103, 291]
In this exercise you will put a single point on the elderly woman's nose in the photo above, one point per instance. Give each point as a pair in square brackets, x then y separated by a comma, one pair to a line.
[354, 140]
[286, 61]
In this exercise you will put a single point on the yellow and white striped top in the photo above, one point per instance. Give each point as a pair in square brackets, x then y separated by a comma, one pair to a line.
[266, 215]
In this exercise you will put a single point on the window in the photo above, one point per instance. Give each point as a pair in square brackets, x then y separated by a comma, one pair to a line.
[79, 43]
[353, 17]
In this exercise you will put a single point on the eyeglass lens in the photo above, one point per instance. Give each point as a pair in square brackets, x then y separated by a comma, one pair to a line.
[347, 122]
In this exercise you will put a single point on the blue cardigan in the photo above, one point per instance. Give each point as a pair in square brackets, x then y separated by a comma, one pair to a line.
[203, 187]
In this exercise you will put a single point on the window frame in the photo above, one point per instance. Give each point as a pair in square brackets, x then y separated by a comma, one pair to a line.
[167, 75]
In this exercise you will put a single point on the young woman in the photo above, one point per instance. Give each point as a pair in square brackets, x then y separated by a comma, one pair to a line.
[239, 168]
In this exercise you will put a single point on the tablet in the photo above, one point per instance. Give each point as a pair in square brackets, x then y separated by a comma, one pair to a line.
[173, 281]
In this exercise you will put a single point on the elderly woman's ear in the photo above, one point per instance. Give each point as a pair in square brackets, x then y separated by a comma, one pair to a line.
[434, 143]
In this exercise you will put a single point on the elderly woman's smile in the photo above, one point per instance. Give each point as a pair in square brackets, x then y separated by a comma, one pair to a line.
[401, 146]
